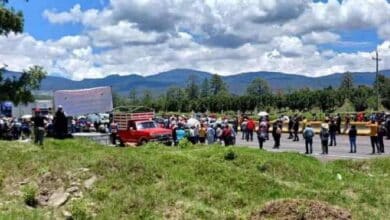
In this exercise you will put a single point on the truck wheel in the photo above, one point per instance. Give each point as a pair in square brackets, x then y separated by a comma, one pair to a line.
[143, 142]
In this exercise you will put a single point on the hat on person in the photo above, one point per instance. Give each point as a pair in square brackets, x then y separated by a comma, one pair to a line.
[325, 126]
[60, 106]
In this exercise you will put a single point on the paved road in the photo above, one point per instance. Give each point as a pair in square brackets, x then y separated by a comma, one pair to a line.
[341, 151]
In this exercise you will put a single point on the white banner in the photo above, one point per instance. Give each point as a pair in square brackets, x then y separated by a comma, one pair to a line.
[84, 101]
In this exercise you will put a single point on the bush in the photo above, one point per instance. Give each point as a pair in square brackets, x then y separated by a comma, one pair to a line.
[79, 210]
[29, 195]
[264, 167]
[184, 144]
[230, 155]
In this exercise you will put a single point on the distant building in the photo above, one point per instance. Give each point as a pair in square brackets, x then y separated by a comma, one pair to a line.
[45, 106]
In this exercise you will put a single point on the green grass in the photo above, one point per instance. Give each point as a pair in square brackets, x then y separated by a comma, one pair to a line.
[154, 182]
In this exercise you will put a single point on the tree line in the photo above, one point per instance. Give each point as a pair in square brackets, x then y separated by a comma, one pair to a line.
[213, 95]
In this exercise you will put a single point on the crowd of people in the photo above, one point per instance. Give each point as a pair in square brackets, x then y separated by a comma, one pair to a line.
[378, 124]
[206, 130]
[37, 126]
[209, 130]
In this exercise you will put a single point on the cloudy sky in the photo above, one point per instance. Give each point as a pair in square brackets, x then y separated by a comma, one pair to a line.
[95, 38]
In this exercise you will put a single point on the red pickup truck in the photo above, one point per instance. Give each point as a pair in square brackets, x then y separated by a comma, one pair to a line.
[139, 128]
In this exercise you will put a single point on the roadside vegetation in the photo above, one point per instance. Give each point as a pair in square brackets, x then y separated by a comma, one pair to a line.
[213, 95]
[184, 182]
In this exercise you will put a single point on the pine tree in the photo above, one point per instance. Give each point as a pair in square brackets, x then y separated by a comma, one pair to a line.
[346, 85]
[205, 88]
[133, 96]
[217, 85]
[258, 87]
[192, 88]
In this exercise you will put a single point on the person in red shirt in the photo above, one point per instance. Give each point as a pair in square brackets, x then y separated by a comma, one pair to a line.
[250, 127]
[227, 135]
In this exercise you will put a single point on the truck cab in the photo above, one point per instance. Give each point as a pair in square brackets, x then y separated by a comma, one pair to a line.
[138, 128]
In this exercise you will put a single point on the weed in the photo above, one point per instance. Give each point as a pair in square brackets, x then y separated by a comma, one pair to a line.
[29, 195]
[79, 210]
[230, 155]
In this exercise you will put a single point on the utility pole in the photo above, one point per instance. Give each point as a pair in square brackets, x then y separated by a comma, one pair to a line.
[377, 59]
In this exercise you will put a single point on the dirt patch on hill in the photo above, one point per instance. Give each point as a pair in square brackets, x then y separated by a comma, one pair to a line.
[300, 209]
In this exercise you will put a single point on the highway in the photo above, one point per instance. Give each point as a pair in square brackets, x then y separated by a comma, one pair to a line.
[341, 151]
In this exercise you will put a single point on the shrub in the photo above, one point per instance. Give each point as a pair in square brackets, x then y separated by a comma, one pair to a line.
[264, 167]
[29, 195]
[184, 144]
[79, 210]
[230, 155]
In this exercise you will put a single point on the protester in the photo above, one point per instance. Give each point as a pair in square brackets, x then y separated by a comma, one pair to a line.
[338, 124]
[296, 128]
[227, 135]
[347, 123]
[290, 128]
[243, 128]
[308, 135]
[333, 131]
[324, 136]
[218, 133]
[250, 127]
[60, 123]
[178, 133]
[196, 133]
[202, 134]
[388, 126]
[234, 135]
[191, 135]
[262, 133]
[26, 131]
[374, 135]
[352, 138]
[235, 125]
[382, 131]
[210, 135]
[277, 133]
[39, 127]
[113, 132]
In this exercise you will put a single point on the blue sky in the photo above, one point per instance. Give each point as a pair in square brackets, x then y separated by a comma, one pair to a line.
[94, 38]
[41, 28]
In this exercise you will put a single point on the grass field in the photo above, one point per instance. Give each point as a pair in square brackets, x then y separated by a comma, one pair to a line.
[157, 182]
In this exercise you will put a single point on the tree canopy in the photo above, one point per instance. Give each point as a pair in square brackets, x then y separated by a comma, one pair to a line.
[18, 88]
[10, 20]
[258, 87]
[212, 94]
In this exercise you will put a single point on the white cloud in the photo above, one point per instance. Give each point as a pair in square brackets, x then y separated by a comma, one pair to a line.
[74, 15]
[320, 37]
[221, 36]
[121, 34]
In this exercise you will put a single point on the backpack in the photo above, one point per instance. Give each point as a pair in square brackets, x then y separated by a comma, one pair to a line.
[325, 134]
[310, 133]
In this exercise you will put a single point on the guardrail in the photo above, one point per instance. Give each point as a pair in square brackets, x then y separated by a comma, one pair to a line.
[362, 128]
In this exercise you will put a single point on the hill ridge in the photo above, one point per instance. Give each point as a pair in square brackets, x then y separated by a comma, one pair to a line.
[237, 83]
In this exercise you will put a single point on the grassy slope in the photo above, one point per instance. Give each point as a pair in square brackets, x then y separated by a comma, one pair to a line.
[194, 183]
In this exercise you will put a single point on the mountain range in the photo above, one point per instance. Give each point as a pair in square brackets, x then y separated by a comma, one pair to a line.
[237, 84]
